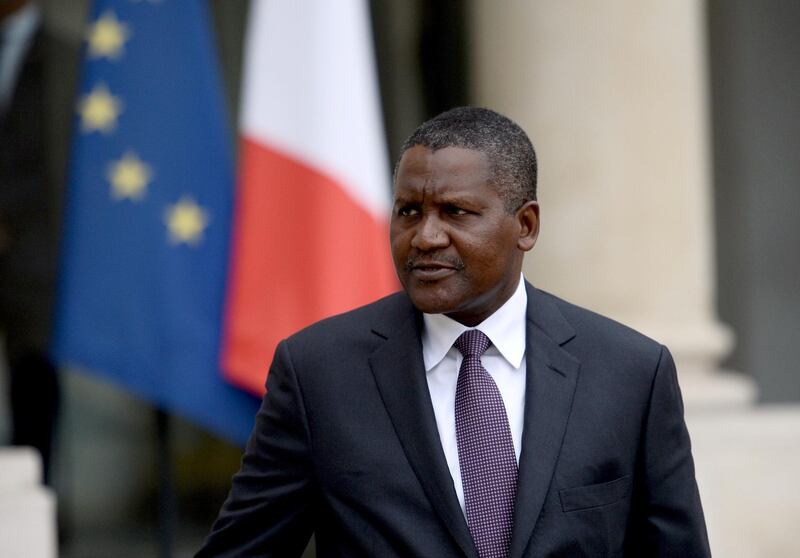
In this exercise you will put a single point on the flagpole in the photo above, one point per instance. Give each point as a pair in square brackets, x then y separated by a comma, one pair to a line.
[166, 486]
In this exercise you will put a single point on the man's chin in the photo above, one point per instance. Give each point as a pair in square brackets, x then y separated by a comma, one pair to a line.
[430, 302]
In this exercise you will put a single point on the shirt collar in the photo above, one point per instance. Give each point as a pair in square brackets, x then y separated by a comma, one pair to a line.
[505, 328]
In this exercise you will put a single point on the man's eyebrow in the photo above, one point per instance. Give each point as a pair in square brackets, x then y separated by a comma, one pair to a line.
[399, 198]
[460, 197]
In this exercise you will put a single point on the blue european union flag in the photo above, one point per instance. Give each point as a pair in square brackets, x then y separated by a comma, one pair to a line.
[148, 214]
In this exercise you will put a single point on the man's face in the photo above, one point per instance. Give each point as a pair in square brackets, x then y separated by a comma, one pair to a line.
[456, 249]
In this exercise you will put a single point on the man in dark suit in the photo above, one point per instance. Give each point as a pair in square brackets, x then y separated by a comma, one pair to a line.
[471, 415]
[28, 228]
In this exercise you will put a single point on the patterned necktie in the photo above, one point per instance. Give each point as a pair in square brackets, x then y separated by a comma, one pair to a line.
[485, 451]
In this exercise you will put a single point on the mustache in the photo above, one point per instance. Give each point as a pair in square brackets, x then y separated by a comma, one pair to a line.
[424, 260]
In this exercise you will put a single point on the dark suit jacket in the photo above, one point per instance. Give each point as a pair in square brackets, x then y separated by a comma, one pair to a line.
[27, 246]
[346, 445]
[29, 200]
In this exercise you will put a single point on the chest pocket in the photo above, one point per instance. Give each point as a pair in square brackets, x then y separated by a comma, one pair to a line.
[595, 495]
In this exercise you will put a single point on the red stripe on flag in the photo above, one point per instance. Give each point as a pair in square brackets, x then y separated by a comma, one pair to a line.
[303, 250]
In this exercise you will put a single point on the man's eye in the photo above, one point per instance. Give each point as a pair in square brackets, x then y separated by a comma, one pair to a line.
[407, 211]
[455, 210]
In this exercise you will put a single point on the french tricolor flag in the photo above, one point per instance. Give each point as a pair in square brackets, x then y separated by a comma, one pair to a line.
[311, 222]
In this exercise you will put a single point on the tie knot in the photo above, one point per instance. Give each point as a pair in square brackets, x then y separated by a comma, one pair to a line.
[472, 343]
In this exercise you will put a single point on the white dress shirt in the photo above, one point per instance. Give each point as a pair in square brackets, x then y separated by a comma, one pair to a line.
[504, 360]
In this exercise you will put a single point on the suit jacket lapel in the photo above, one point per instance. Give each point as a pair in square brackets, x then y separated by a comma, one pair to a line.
[552, 375]
[400, 375]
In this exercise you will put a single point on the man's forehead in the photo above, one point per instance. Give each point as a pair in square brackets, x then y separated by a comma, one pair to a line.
[443, 180]
[441, 191]
[446, 151]
[421, 163]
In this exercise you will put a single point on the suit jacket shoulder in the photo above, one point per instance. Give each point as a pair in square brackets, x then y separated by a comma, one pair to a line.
[589, 321]
[352, 334]
[600, 336]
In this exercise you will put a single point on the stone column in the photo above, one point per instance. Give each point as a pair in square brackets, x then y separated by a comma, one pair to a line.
[614, 97]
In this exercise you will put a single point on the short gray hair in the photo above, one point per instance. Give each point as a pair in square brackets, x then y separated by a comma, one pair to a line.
[510, 151]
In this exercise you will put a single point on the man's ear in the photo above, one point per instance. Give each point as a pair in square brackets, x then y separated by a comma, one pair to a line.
[528, 218]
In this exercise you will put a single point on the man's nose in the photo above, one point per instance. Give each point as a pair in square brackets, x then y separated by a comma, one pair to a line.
[430, 234]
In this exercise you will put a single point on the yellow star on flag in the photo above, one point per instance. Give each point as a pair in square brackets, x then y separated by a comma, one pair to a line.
[186, 221]
[129, 177]
[107, 36]
[99, 110]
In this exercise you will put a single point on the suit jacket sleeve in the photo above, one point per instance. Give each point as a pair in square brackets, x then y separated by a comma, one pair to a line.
[269, 509]
[667, 516]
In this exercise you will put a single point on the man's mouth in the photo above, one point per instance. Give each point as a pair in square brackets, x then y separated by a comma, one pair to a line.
[432, 270]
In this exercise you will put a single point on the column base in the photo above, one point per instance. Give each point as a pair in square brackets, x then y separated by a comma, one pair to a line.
[746, 462]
